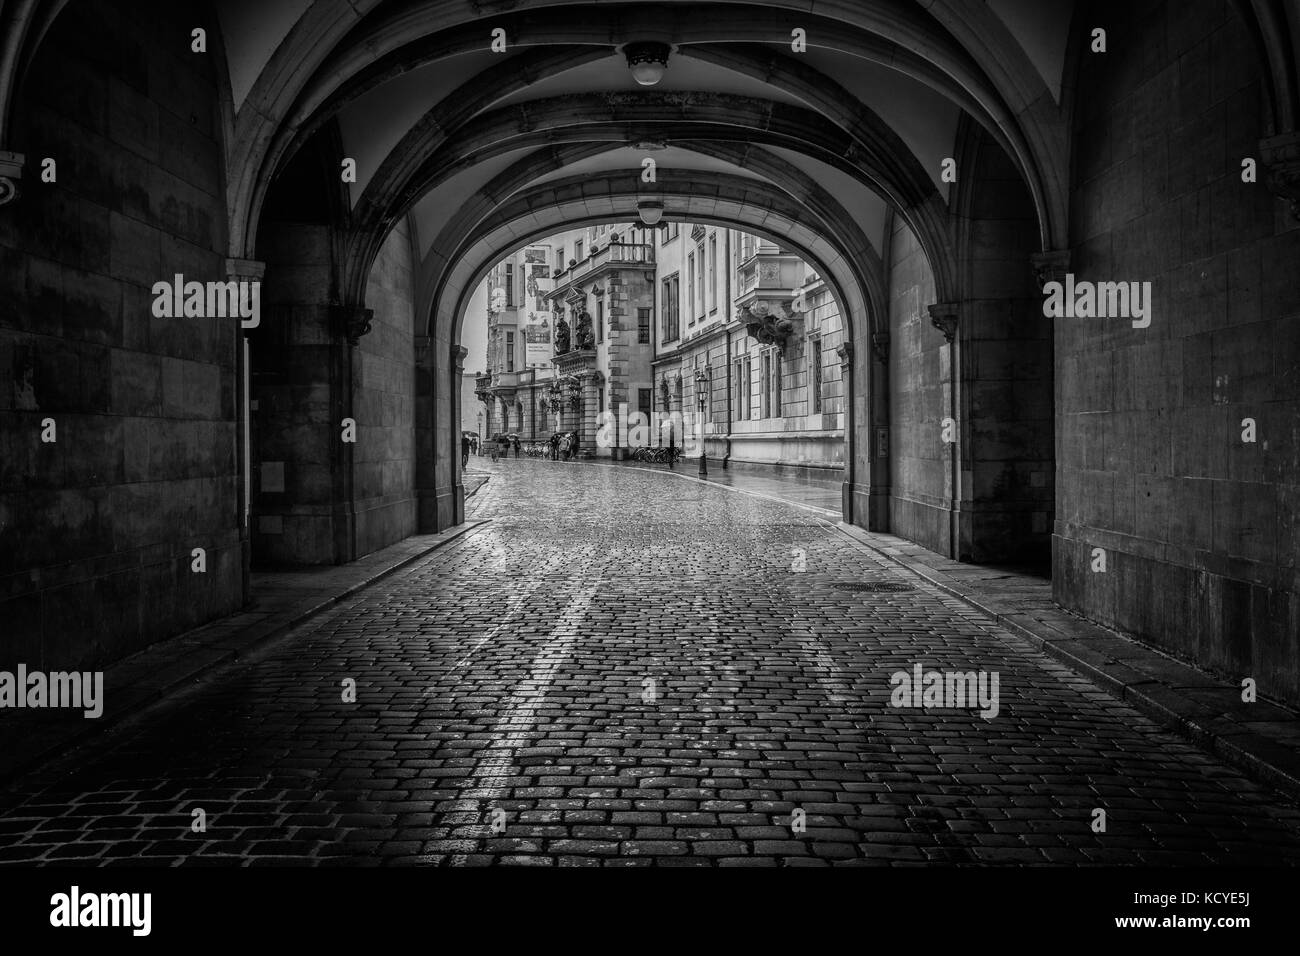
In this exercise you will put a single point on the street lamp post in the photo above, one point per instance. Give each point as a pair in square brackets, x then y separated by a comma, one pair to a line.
[701, 399]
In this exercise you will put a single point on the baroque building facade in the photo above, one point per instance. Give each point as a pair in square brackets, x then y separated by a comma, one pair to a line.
[631, 336]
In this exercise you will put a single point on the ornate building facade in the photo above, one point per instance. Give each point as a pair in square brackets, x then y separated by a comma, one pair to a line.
[629, 335]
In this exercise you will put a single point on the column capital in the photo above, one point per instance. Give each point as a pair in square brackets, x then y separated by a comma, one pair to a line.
[11, 170]
[248, 269]
[1050, 266]
[880, 345]
[943, 316]
[1280, 156]
[351, 321]
[458, 355]
[845, 351]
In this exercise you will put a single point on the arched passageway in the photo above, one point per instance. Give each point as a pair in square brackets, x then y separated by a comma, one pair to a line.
[366, 160]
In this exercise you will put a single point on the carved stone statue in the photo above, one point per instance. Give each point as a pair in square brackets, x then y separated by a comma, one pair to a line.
[586, 339]
[561, 336]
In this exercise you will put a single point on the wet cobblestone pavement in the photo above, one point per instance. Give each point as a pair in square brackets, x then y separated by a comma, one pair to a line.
[623, 668]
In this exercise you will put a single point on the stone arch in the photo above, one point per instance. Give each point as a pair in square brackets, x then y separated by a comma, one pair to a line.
[727, 120]
[729, 202]
[909, 40]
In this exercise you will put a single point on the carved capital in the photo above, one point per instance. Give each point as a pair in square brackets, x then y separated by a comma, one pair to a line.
[880, 346]
[352, 321]
[245, 270]
[11, 171]
[1280, 157]
[458, 358]
[1050, 266]
[845, 351]
[943, 316]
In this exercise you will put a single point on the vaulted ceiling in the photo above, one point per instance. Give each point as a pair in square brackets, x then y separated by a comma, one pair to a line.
[445, 132]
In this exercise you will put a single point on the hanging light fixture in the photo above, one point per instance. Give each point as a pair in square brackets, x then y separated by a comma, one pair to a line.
[647, 59]
[651, 211]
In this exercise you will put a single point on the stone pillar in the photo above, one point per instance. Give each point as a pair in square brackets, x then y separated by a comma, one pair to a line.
[446, 430]
[348, 323]
[303, 363]
[852, 415]
[425, 471]
[943, 316]
[244, 270]
[458, 484]
[878, 433]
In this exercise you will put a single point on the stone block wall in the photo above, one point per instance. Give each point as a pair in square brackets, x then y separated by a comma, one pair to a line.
[295, 424]
[1201, 529]
[383, 403]
[97, 528]
[920, 462]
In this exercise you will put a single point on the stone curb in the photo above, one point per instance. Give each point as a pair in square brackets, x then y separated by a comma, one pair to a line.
[163, 671]
[1165, 701]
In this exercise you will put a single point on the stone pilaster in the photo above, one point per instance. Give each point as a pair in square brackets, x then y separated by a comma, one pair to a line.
[244, 270]
[944, 317]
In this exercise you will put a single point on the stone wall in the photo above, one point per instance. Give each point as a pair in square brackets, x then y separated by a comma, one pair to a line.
[1200, 529]
[918, 366]
[383, 403]
[97, 528]
[295, 357]
[1005, 349]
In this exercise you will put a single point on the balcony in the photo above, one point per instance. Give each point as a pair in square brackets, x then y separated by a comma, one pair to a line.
[503, 382]
[617, 255]
[769, 273]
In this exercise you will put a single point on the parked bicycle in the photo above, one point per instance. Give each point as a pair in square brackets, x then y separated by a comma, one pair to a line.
[666, 455]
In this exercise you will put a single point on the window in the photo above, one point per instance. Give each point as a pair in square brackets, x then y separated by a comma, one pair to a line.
[748, 379]
[690, 289]
[577, 250]
[671, 230]
[815, 375]
[713, 272]
[697, 304]
[510, 285]
[600, 319]
[774, 404]
[765, 395]
[671, 325]
[510, 351]
[735, 387]
[642, 326]
[559, 259]
[645, 401]
[742, 400]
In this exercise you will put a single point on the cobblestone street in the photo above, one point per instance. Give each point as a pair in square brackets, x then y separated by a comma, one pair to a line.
[621, 667]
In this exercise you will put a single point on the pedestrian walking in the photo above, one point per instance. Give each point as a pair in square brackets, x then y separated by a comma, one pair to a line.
[516, 447]
[496, 449]
[464, 452]
[555, 446]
